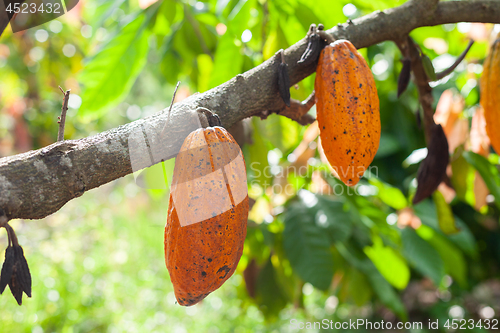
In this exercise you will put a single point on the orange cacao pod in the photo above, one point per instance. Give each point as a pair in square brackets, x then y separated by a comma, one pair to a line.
[490, 94]
[347, 109]
[207, 214]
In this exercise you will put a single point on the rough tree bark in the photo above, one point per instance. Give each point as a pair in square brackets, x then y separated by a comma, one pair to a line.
[38, 183]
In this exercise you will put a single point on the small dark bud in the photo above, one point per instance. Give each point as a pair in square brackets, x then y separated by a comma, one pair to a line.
[432, 170]
[404, 76]
[284, 83]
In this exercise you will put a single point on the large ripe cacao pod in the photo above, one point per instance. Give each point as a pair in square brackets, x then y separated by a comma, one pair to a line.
[347, 109]
[207, 214]
[490, 94]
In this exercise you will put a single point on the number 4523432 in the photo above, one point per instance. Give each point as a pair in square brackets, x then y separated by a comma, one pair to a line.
[463, 324]
[34, 8]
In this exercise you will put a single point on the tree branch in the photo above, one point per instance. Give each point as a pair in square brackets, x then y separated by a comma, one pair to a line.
[38, 183]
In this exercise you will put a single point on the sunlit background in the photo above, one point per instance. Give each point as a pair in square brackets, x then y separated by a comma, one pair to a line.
[314, 250]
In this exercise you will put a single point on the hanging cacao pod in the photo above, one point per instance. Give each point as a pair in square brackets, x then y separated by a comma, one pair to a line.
[347, 108]
[207, 214]
[490, 94]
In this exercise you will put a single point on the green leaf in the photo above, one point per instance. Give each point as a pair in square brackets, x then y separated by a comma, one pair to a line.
[463, 179]
[359, 287]
[454, 262]
[390, 195]
[331, 215]
[275, 41]
[380, 286]
[307, 246]
[488, 172]
[422, 255]
[428, 68]
[444, 214]
[109, 75]
[270, 297]
[205, 67]
[389, 263]
[305, 15]
[464, 239]
[389, 144]
[228, 60]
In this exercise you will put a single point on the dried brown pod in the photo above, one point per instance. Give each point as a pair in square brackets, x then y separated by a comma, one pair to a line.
[15, 273]
[312, 51]
[404, 76]
[284, 83]
[250, 275]
[433, 168]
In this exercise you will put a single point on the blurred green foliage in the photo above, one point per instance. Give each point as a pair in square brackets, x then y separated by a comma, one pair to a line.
[315, 248]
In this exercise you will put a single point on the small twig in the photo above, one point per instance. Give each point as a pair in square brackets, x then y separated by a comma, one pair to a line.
[296, 111]
[12, 236]
[3, 221]
[170, 109]
[62, 118]
[448, 71]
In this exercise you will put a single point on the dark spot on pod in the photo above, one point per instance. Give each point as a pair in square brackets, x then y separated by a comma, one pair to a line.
[225, 269]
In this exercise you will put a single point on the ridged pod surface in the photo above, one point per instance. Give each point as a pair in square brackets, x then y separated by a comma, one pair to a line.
[490, 94]
[207, 214]
[347, 109]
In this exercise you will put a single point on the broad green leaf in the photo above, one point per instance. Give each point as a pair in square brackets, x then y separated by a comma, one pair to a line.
[389, 145]
[331, 215]
[110, 74]
[422, 256]
[464, 239]
[228, 60]
[390, 195]
[275, 41]
[205, 67]
[270, 297]
[305, 16]
[488, 171]
[389, 263]
[380, 286]
[328, 12]
[444, 214]
[454, 262]
[359, 287]
[239, 17]
[463, 179]
[307, 246]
